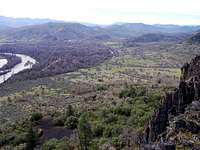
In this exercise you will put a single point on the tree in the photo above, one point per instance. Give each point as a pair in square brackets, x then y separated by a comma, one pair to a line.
[84, 131]
[71, 122]
[36, 116]
[70, 111]
[31, 139]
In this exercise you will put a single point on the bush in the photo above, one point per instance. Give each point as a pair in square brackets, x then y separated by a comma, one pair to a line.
[101, 88]
[140, 114]
[59, 121]
[3, 140]
[70, 111]
[49, 145]
[123, 110]
[20, 138]
[31, 139]
[20, 147]
[129, 92]
[84, 131]
[94, 144]
[98, 130]
[124, 93]
[107, 131]
[54, 144]
[36, 116]
[110, 118]
[111, 131]
[71, 122]
[117, 142]
[132, 92]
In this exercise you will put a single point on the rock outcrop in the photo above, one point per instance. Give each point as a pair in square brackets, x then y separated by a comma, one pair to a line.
[175, 104]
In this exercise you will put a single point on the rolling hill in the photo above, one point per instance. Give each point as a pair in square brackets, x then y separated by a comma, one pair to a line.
[51, 30]
[138, 29]
[156, 37]
[19, 22]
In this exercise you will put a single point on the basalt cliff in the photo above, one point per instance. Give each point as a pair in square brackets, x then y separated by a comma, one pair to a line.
[176, 122]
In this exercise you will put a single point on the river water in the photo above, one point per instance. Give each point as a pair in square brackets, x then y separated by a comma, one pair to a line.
[26, 63]
[3, 62]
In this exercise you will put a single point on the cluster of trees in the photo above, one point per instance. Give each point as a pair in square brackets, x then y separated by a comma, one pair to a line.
[154, 37]
[22, 136]
[69, 119]
[59, 57]
[116, 126]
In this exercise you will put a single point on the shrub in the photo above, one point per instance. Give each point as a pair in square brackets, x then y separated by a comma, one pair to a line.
[107, 131]
[111, 131]
[110, 118]
[63, 144]
[140, 114]
[20, 138]
[141, 91]
[70, 111]
[124, 93]
[98, 130]
[3, 140]
[129, 92]
[101, 88]
[133, 92]
[104, 113]
[117, 142]
[84, 131]
[20, 147]
[54, 144]
[123, 110]
[49, 145]
[31, 139]
[71, 122]
[94, 144]
[36, 116]
[58, 121]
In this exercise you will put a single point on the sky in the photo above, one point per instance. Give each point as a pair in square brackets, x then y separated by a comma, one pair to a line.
[183, 12]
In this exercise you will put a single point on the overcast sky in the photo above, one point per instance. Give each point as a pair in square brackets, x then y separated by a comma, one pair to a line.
[106, 11]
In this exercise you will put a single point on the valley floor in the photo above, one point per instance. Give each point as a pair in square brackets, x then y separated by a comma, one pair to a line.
[152, 69]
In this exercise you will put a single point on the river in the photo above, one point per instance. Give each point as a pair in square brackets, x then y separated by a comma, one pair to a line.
[26, 63]
[3, 62]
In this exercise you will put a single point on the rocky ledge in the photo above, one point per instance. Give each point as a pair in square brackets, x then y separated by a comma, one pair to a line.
[176, 123]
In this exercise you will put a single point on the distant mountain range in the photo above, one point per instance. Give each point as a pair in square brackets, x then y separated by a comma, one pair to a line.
[25, 29]
[19, 22]
[51, 32]
[3, 27]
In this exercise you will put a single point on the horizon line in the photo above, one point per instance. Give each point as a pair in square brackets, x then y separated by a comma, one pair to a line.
[93, 23]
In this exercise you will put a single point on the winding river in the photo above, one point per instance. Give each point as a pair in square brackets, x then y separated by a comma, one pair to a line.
[26, 63]
[3, 62]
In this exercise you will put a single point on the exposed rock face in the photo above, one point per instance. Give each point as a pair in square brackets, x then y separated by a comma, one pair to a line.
[192, 70]
[175, 104]
[184, 129]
